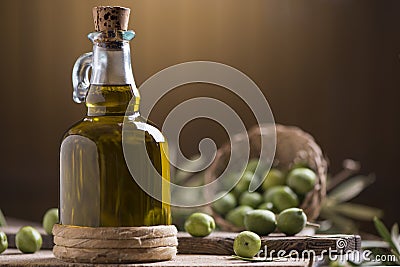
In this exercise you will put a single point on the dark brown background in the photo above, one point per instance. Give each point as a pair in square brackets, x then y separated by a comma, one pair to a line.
[331, 67]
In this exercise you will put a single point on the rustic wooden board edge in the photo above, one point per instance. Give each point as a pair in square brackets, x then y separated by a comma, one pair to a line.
[221, 243]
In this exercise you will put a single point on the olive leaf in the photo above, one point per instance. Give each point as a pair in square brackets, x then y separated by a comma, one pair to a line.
[396, 238]
[351, 188]
[358, 211]
[384, 233]
[3, 221]
[342, 223]
[397, 256]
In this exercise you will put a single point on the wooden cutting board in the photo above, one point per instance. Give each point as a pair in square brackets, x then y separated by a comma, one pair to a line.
[221, 243]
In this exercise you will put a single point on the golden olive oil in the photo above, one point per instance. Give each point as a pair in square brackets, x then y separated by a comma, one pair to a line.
[96, 186]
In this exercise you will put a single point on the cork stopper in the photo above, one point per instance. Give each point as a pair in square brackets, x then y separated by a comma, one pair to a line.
[110, 18]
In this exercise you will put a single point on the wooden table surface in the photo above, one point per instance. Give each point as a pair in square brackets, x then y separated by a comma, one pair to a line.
[45, 258]
[214, 250]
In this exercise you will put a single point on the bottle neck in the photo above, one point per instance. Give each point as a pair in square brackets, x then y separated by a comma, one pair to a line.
[112, 86]
[112, 66]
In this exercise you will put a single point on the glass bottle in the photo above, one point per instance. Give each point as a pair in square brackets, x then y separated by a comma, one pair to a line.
[97, 188]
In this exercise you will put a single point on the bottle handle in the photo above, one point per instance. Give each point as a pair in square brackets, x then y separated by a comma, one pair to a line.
[80, 77]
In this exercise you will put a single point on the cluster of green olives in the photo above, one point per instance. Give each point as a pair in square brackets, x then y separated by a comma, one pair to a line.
[261, 222]
[279, 194]
[28, 239]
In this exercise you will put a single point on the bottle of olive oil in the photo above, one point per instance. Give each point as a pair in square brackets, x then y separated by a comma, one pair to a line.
[97, 188]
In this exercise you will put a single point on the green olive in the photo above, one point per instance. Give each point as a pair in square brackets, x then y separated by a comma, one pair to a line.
[291, 221]
[261, 222]
[3, 242]
[28, 240]
[49, 219]
[224, 204]
[301, 180]
[282, 197]
[252, 199]
[272, 178]
[236, 216]
[199, 224]
[247, 244]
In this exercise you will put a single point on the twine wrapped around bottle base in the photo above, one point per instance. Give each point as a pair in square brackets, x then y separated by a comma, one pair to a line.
[114, 244]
